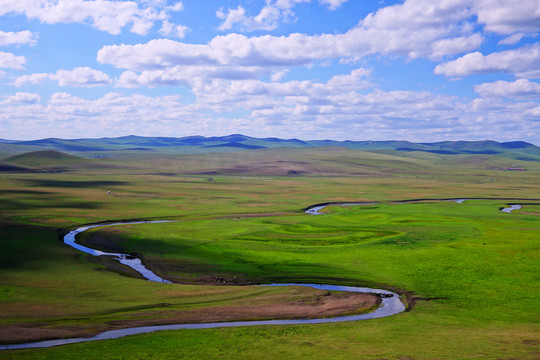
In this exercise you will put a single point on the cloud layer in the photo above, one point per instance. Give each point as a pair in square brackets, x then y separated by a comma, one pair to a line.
[420, 69]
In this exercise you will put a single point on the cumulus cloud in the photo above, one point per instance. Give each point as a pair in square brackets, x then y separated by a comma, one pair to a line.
[81, 76]
[70, 116]
[501, 17]
[170, 29]
[17, 38]
[22, 98]
[106, 15]
[78, 77]
[521, 88]
[10, 61]
[271, 15]
[231, 17]
[176, 7]
[186, 75]
[265, 51]
[31, 79]
[336, 109]
[522, 62]
[455, 45]
[508, 17]
[416, 28]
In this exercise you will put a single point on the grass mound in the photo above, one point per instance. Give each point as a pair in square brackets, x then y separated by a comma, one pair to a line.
[44, 158]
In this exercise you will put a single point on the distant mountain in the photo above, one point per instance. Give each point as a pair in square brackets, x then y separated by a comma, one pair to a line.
[519, 150]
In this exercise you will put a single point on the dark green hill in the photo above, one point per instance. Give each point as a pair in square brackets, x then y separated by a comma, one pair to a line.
[44, 158]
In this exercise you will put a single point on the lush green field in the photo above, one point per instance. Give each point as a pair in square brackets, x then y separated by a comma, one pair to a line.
[478, 266]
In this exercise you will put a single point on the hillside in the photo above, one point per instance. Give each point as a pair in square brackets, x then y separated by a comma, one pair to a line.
[44, 160]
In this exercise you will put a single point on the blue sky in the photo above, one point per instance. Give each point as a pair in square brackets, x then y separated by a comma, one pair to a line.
[418, 70]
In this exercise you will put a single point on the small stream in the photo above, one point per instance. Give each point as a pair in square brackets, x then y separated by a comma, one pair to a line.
[129, 260]
[316, 209]
[511, 208]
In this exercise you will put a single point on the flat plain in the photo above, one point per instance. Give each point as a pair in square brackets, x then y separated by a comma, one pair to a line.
[468, 271]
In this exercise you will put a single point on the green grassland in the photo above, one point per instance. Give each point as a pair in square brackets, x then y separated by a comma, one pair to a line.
[472, 270]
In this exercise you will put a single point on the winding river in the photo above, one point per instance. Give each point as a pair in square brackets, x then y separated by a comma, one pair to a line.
[390, 305]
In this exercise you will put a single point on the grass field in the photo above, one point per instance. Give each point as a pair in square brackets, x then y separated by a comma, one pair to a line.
[472, 270]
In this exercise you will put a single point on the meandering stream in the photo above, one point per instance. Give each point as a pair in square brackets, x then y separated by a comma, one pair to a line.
[390, 305]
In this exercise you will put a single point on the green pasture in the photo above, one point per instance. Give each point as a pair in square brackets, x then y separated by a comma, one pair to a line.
[471, 255]
[473, 269]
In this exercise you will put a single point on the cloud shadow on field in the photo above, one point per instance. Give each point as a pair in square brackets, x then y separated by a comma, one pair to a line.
[74, 184]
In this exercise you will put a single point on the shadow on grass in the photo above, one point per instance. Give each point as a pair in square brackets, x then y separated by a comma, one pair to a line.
[207, 261]
[28, 246]
[74, 184]
[25, 192]
[24, 204]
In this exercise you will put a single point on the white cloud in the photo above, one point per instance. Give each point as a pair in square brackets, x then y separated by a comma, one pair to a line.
[455, 45]
[170, 29]
[106, 15]
[533, 113]
[232, 17]
[31, 79]
[272, 14]
[278, 75]
[69, 116]
[512, 39]
[186, 75]
[417, 28]
[22, 98]
[81, 76]
[10, 61]
[341, 108]
[225, 73]
[507, 17]
[502, 17]
[181, 31]
[17, 38]
[523, 62]
[78, 77]
[176, 7]
[521, 88]
[333, 4]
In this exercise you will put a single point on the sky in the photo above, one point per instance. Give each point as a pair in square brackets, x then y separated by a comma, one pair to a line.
[417, 70]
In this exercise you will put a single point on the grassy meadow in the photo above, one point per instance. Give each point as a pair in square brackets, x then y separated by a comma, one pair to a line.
[471, 271]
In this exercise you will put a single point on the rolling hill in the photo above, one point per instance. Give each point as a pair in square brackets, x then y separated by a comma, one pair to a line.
[43, 160]
[518, 150]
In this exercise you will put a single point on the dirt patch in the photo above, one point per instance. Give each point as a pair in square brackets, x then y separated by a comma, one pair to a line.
[17, 333]
[318, 304]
